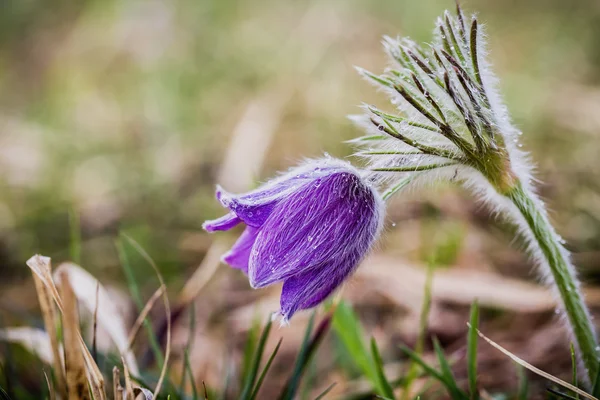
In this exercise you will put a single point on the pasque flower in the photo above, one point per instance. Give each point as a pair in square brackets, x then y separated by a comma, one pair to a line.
[309, 229]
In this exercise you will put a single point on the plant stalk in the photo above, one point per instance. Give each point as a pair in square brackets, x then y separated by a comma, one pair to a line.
[552, 256]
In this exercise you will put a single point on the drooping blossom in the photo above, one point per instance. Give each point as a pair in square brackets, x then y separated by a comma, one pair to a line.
[308, 228]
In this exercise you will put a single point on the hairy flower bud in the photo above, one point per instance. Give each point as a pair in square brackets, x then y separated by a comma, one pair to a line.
[308, 228]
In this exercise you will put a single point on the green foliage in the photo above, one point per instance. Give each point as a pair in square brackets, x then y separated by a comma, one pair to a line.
[188, 347]
[560, 395]
[596, 385]
[250, 377]
[263, 374]
[448, 378]
[472, 350]
[322, 395]
[523, 390]
[348, 329]
[3, 394]
[307, 350]
[413, 370]
[249, 349]
[190, 373]
[134, 292]
[387, 389]
[445, 375]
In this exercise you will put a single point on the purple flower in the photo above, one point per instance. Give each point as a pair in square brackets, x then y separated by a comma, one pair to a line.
[309, 228]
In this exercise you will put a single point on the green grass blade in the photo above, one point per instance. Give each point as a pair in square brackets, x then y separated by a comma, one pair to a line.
[250, 378]
[574, 364]
[387, 389]
[596, 385]
[523, 383]
[472, 350]
[4, 395]
[324, 393]
[223, 395]
[285, 394]
[451, 385]
[561, 395]
[348, 329]
[309, 346]
[309, 381]
[188, 346]
[413, 371]
[188, 370]
[445, 377]
[134, 290]
[249, 347]
[263, 374]
[429, 370]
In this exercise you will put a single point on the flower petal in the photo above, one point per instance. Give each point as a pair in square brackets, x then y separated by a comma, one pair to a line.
[253, 214]
[326, 219]
[224, 223]
[255, 206]
[239, 254]
[309, 289]
[275, 188]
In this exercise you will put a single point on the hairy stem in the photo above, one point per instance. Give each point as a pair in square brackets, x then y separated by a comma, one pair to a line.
[554, 257]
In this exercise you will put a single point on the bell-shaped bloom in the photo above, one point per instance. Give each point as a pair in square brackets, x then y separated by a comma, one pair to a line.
[308, 228]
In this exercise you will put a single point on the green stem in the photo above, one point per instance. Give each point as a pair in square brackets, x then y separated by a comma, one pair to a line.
[556, 258]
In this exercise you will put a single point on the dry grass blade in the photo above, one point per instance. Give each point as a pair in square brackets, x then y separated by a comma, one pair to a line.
[51, 394]
[94, 375]
[163, 371]
[140, 319]
[85, 286]
[128, 386]
[48, 308]
[35, 340]
[77, 382]
[535, 370]
[117, 388]
[205, 390]
[40, 266]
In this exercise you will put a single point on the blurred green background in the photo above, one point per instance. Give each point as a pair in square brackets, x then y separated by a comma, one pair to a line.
[120, 116]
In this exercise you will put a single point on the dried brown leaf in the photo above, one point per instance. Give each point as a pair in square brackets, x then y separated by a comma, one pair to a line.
[140, 319]
[128, 386]
[40, 266]
[51, 392]
[117, 389]
[77, 383]
[85, 287]
[49, 314]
